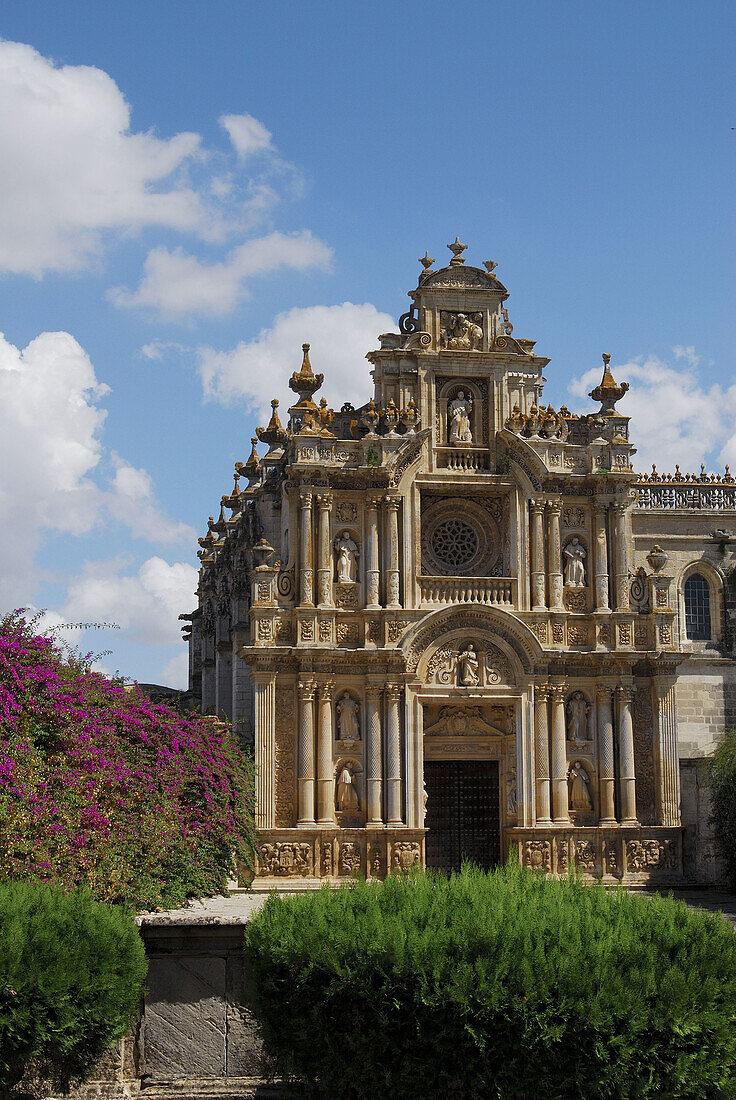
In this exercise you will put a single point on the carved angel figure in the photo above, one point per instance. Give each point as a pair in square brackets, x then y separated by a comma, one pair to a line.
[576, 554]
[459, 410]
[347, 795]
[348, 724]
[579, 789]
[467, 664]
[578, 709]
[346, 550]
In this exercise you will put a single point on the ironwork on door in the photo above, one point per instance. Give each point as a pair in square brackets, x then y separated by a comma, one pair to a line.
[462, 819]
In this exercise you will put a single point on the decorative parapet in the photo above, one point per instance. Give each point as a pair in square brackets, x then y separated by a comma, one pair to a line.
[686, 492]
[439, 591]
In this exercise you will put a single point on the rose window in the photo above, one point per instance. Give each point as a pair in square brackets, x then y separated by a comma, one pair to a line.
[454, 543]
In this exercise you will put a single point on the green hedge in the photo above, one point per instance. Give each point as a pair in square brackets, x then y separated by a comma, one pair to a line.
[495, 985]
[723, 801]
[71, 979]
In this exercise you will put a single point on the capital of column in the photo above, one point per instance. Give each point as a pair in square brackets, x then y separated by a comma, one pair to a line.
[557, 693]
[305, 498]
[555, 507]
[392, 502]
[373, 501]
[537, 506]
[373, 692]
[324, 501]
[542, 692]
[325, 689]
[625, 693]
[603, 692]
[393, 692]
[306, 690]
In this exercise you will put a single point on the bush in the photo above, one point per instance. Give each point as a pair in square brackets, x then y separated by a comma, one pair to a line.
[495, 985]
[723, 802]
[99, 786]
[71, 978]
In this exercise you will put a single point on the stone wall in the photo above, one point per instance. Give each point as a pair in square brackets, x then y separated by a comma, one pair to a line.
[706, 704]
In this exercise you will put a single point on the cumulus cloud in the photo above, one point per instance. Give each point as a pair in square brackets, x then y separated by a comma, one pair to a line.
[175, 672]
[669, 406]
[75, 174]
[178, 283]
[259, 369]
[52, 460]
[146, 604]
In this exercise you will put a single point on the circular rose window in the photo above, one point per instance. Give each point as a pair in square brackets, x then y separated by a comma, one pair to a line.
[454, 543]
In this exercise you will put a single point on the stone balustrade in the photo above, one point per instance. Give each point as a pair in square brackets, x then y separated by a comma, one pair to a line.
[439, 591]
[463, 459]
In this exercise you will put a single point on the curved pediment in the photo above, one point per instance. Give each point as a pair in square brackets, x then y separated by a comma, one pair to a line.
[505, 647]
[457, 277]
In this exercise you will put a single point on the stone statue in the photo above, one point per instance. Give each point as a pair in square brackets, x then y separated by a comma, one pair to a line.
[467, 664]
[579, 788]
[347, 795]
[578, 709]
[348, 719]
[346, 550]
[459, 410]
[576, 554]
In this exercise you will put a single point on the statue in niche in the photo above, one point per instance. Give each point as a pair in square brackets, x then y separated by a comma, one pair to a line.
[348, 719]
[467, 663]
[459, 410]
[347, 794]
[346, 550]
[576, 554]
[581, 800]
[578, 709]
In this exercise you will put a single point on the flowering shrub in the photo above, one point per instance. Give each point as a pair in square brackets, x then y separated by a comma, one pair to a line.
[101, 787]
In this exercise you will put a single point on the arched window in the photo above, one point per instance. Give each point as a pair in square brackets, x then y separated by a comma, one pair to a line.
[697, 608]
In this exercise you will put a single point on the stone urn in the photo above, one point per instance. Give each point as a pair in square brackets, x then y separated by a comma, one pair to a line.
[657, 558]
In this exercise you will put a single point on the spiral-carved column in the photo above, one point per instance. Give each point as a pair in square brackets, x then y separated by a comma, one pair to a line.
[393, 753]
[606, 761]
[626, 755]
[392, 573]
[621, 555]
[324, 555]
[325, 792]
[539, 600]
[601, 557]
[305, 775]
[560, 800]
[374, 763]
[554, 548]
[541, 754]
[306, 577]
[372, 573]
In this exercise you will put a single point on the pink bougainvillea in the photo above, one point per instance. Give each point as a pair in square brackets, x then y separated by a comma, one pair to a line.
[98, 785]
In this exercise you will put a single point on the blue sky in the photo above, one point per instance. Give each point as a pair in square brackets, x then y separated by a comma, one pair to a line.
[189, 191]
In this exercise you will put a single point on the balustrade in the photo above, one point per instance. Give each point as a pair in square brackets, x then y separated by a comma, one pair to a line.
[463, 459]
[439, 591]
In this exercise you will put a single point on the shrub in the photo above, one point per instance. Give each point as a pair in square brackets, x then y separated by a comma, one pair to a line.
[495, 985]
[723, 802]
[71, 978]
[99, 786]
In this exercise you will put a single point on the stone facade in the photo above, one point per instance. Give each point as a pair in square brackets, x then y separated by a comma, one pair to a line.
[455, 571]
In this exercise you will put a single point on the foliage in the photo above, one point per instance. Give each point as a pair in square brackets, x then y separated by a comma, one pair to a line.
[71, 977]
[99, 786]
[495, 985]
[723, 802]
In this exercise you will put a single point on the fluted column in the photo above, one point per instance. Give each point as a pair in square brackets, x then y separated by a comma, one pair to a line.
[560, 799]
[393, 753]
[372, 574]
[306, 579]
[325, 786]
[324, 555]
[554, 549]
[539, 601]
[541, 754]
[621, 555]
[606, 762]
[626, 756]
[667, 757]
[264, 721]
[392, 573]
[373, 754]
[600, 539]
[305, 781]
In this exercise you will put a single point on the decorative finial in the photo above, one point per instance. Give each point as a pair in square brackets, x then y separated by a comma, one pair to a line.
[274, 433]
[607, 392]
[457, 250]
[490, 266]
[305, 383]
[426, 260]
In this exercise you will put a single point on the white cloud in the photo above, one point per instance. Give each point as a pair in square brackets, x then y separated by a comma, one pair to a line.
[177, 283]
[146, 604]
[51, 458]
[340, 336]
[675, 418]
[175, 673]
[247, 134]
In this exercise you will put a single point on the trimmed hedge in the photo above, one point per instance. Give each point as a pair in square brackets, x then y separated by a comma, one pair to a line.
[499, 985]
[722, 769]
[71, 978]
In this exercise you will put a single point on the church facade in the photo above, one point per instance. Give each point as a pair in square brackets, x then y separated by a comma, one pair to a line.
[455, 622]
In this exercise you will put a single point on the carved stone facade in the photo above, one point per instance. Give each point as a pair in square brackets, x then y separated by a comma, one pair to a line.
[456, 573]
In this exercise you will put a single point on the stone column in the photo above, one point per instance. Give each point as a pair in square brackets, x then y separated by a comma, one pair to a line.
[539, 601]
[626, 756]
[372, 572]
[554, 550]
[265, 748]
[393, 753]
[560, 799]
[600, 540]
[621, 554]
[541, 753]
[325, 786]
[392, 573]
[606, 762]
[306, 580]
[373, 754]
[305, 780]
[324, 551]
[666, 755]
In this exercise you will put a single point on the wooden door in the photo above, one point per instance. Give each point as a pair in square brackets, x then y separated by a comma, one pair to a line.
[463, 819]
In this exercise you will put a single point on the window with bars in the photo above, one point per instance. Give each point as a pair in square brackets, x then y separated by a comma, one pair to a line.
[697, 608]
